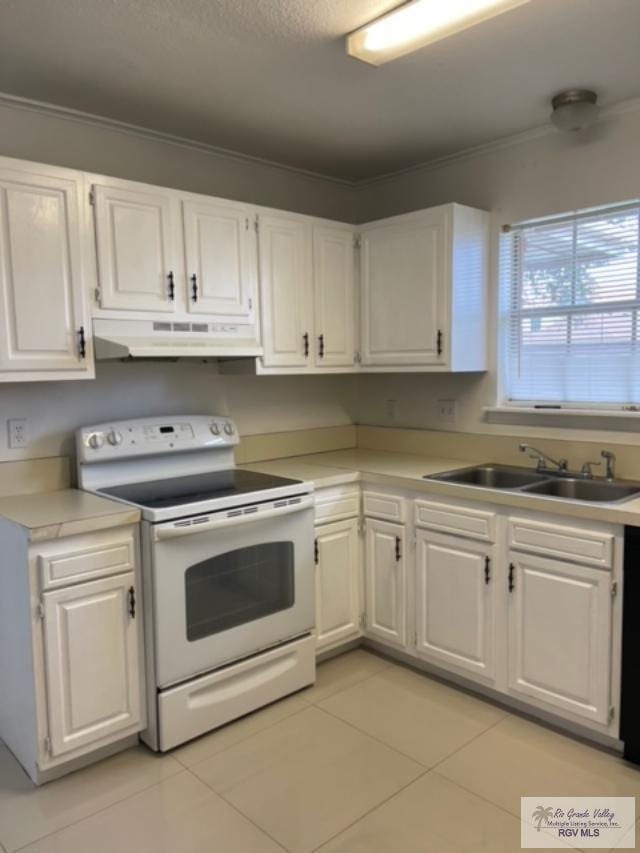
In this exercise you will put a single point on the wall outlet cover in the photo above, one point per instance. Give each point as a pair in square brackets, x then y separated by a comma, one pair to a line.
[18, 433]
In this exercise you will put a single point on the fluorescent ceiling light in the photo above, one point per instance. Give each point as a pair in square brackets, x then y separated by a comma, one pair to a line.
[418, 23]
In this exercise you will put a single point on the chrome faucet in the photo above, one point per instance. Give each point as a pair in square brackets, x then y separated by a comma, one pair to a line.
[610, 459]
[559, 464]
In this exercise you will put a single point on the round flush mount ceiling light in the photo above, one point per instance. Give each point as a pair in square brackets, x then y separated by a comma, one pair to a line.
[574, 109]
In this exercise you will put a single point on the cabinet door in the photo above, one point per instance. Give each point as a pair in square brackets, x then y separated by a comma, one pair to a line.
[219, 258]
[285, 281]
[560, 635]
[403, 288]
[455, 603]
[385, 577]
[337, 582]
[43, 316]
[334, 295]
[136, 236]
[91, 654]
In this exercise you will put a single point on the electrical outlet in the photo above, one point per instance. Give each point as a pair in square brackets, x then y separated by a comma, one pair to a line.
[18, 433]
[447, 411]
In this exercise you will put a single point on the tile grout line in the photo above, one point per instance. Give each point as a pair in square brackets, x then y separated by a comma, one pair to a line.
[373, 737]
[310, 703]
[239, 812]
[244, 739]
[117, 802]
[379, 805]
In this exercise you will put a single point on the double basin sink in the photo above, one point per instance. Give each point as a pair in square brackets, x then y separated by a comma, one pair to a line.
[562, 485]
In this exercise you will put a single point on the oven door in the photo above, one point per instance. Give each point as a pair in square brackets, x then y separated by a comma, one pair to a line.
[228, 584]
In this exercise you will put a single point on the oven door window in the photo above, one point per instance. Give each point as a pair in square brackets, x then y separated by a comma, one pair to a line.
[238, 587]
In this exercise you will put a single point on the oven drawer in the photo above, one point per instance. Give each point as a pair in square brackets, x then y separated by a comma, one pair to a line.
[189, 710]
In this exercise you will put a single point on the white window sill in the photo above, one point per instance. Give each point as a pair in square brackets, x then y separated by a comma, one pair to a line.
[594, 419]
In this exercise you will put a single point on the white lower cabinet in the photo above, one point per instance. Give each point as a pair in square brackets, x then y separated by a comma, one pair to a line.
[560, 629]
[482, 597]
[455, 593]
[385, 579]
[338, 583]
[91, 661]
[71, 613]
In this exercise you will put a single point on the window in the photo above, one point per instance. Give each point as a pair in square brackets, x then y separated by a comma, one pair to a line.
[570, 309]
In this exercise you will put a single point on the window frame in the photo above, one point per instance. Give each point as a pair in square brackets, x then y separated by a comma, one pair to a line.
[506, 317]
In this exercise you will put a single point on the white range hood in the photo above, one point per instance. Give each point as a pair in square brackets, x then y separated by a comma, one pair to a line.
[116, 339]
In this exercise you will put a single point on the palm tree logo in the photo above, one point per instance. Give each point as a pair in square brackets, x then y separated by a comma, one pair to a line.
[542, 814]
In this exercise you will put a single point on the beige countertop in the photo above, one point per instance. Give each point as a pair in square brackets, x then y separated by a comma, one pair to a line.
[403, 470]
[53, 515]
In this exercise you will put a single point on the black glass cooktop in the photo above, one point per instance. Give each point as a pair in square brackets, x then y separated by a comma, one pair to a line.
[177, 491]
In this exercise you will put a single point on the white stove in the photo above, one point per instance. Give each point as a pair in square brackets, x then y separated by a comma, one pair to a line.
[228, 572]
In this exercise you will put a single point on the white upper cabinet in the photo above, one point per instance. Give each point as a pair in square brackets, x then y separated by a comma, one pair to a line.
[220, 263]
[334, 296]
[560, 618]
[423, 290]
[45, 331]
[136, 246]
[286, 290]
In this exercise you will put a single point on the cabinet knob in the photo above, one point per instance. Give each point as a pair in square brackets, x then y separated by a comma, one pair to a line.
[305, 344]
[487, 570]
[512, 570]
[321, 346]
[172, 287]
[398, 550]
[194, 288]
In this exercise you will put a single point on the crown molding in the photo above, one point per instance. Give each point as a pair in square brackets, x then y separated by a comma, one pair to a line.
[628, 106]
[93, 120]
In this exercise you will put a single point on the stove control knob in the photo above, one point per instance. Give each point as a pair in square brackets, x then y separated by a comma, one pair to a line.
[114, 437]
[228, 428]
[215, 428]
[96, 440]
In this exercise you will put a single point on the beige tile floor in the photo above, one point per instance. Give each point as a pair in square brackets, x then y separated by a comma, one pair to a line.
[373, 759]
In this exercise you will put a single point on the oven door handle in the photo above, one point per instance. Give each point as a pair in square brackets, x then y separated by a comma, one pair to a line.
[161, 532]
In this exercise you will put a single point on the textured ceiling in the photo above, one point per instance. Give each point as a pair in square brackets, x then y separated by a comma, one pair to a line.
[270, 77]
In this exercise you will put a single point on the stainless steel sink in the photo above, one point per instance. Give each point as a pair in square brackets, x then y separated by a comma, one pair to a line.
[524, 480]
[584, 490]
[491, 477]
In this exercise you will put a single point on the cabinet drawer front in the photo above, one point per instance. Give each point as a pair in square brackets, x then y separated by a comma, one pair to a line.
[567, 543]
[336, 505]
[460, 521]
[387, 507]
[80, 559]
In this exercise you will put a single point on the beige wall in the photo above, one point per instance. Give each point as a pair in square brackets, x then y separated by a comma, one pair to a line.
[51, 138]
[258, 404]
[545, 175]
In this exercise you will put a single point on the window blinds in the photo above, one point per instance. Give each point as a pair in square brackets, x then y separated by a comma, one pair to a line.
[570, 309]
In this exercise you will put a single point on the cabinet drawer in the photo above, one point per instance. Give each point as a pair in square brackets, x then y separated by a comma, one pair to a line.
[378, 505]
[82, 558]
[336, 504]
[460, 521]
[563, 543]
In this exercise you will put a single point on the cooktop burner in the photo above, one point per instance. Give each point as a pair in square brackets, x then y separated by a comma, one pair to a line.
[177, 491]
